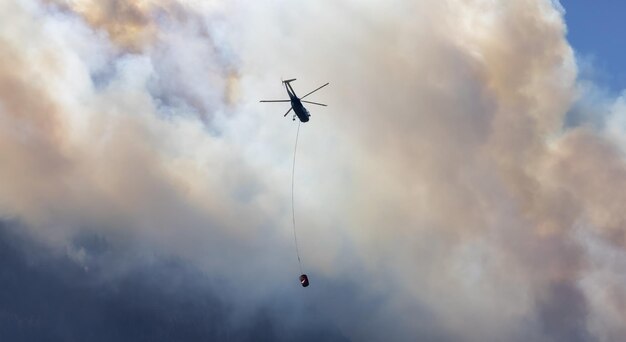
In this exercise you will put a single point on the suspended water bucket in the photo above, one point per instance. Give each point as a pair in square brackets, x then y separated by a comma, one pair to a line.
[304, 280]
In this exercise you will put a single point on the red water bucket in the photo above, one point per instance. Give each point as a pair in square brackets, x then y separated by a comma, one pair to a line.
[304, 280]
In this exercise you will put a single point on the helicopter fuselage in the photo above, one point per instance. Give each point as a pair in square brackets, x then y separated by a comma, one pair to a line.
[301, 112]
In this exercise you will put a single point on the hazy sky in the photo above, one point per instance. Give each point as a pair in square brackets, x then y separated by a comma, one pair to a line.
[465, 183]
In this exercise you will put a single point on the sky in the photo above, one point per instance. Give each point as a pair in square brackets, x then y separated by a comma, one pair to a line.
[465, 182]
[594, 30]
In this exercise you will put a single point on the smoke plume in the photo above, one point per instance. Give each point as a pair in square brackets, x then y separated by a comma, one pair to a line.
[453, 190]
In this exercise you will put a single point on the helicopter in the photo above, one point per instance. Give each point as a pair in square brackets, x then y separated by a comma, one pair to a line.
[296, 102]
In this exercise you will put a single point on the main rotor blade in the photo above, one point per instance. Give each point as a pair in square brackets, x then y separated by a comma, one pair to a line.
[290, 108]
[315, 103]
[315, 90]
[275, 101]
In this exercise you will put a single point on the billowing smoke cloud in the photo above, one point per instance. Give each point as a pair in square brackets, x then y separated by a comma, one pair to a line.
[451, 191]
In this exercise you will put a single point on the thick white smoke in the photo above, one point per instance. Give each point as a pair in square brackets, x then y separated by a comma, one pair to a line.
[439, 196]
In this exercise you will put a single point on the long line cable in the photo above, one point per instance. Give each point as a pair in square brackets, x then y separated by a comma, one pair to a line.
[293, 210]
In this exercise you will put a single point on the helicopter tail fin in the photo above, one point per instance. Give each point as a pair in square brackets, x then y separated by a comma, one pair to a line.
[287, 81]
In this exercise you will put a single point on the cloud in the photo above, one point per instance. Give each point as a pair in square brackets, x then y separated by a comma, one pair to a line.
[440, 196]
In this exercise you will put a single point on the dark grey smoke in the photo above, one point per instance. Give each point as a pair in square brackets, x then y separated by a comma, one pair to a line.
[563, 313]
[49, 297]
